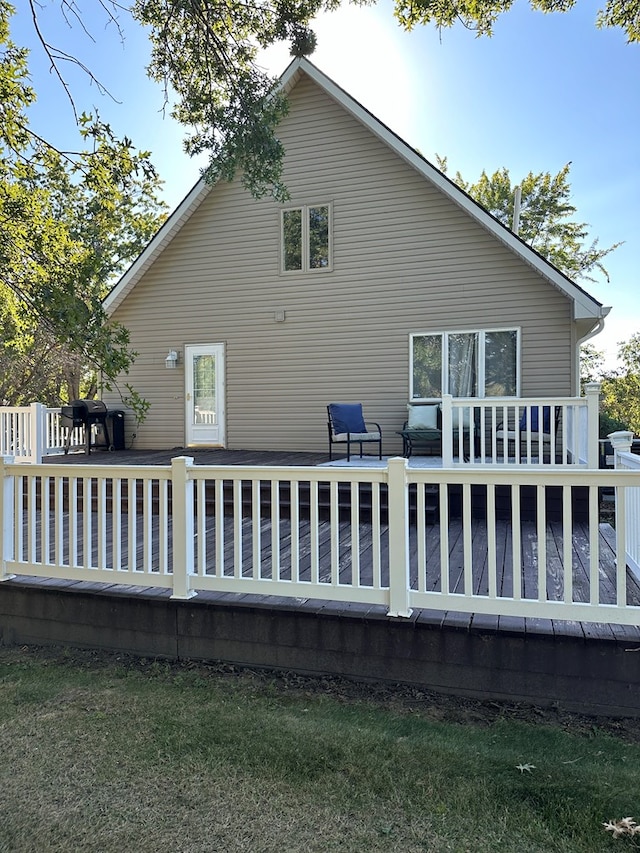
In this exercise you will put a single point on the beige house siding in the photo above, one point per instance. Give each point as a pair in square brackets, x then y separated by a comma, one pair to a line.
[405, 259]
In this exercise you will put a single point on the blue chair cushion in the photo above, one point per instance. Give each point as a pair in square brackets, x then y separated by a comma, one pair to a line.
[533, 419]
[347, 417]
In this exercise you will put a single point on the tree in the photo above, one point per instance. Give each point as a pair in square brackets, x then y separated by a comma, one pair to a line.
[204, 55]
[70, 223]
[619, 389]
[481, 15]
[204, 52]
[545, 217]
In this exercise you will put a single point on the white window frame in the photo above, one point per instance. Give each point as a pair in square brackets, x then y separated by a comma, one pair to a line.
[481, 359]
[305, 268]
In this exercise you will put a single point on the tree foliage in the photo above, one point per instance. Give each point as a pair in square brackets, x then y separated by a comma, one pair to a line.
[204, 54]
[481, 15]
[546, 213]
[620, 389]
[69, 224]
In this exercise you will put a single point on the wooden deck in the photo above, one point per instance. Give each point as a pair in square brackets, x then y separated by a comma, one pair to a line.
[201, 457]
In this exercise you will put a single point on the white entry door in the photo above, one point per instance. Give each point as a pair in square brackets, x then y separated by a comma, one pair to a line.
[204, 376]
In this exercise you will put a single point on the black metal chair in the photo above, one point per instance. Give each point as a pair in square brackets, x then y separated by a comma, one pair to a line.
[346, 425]
[422, 428]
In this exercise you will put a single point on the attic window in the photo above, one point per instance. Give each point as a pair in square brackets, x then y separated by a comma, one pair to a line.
[306, 238]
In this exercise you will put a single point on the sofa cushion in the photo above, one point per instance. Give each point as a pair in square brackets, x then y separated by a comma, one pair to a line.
[423, 417]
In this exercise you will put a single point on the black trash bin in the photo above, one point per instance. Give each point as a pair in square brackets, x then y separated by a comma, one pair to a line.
[115, 426]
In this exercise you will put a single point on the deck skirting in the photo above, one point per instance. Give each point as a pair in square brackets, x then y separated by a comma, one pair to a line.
[580, 667]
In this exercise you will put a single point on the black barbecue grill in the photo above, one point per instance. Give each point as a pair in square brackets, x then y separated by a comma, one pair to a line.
[87, 414]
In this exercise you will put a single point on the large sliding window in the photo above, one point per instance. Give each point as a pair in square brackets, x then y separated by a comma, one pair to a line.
[306, 238]
[465, 364]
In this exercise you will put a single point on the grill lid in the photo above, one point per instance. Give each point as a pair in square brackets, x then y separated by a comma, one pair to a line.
[83, 408]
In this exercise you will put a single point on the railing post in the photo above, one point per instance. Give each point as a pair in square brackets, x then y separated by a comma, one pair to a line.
[592, 393]
[7, 520]
[621, 442]
[183, 527]
[398, 539]
[38, 431]
[447, 431]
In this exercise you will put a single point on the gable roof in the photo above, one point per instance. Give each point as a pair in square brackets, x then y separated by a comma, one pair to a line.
[584, 305]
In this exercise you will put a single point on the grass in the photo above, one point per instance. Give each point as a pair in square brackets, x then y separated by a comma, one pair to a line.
[105, 753]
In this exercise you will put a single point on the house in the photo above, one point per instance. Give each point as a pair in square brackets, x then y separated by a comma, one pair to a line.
[379, 281]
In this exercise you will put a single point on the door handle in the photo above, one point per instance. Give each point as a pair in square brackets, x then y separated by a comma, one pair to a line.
[188, 397]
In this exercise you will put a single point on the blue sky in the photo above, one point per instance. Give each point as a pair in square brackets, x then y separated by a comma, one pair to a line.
[543, 91]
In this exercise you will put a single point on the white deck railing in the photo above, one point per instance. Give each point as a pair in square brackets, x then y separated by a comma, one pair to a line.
[628, 502]
[326, 533]
[30, 432]
[550, 431]
[491, 432]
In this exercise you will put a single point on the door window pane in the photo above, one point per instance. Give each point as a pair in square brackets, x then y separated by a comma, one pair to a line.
[500, 364]
[204, 389]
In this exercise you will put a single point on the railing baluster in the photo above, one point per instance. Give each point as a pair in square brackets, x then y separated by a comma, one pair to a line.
[421, 536]
[220, 531]
[594, 545]
[492, 562]
[275, 530]
[541, 538]
[516, 543]
[163, 530]
[567, 543]
[376, 544]
[237, 528]
[59, 537]
[621, 538]
[314, 546]
[334, 520]
[73, 521]
[101, 511]
[443, 517]
[31, 524]
[294, 515]
[147, 525]
[201, 529]
[256, 539]
[45, 523]
[467, 533]
[355, 535]
[116, 523]
[132, 524]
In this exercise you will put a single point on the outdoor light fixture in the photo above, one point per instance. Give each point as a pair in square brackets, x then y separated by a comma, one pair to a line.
[171, 361]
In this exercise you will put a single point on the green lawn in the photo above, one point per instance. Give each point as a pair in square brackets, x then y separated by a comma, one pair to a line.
[105, 753]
